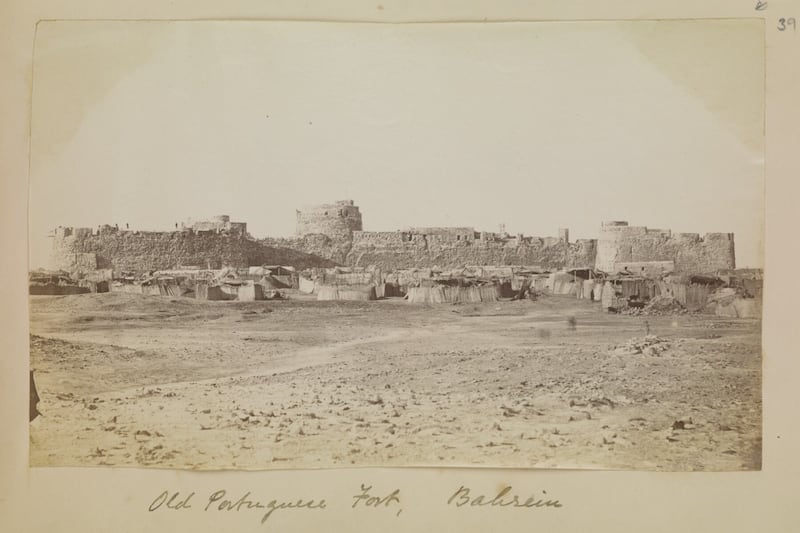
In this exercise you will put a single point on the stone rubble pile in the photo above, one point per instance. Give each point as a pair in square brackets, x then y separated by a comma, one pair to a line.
[658, 306]
[650, 345]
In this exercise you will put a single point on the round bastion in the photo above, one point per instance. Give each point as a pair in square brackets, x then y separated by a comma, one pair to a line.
[337, 220]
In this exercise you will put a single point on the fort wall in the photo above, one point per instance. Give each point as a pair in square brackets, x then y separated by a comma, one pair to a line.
[138, 251]
[142, 251]
[407, 250]
[328, 238]
[145, 251]
[620, 243]
[216, 224]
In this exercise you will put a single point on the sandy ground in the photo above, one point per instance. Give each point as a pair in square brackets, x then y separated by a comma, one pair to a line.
[152, 381]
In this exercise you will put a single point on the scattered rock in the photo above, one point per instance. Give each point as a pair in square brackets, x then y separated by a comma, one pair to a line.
[508, 411]
[601, 402]
[98, 452]
[649, 345]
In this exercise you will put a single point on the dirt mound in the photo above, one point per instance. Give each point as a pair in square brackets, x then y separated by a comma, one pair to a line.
[663, 304]
[650, 345]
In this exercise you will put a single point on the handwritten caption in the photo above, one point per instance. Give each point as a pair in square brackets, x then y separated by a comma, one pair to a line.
[365, 499]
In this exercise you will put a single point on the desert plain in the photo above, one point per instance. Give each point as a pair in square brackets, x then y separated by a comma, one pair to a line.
[152, 381]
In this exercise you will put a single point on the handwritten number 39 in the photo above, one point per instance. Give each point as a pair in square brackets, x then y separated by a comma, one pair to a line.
[784, 23]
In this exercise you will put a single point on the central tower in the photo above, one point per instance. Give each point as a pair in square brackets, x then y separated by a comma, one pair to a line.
[337, 220]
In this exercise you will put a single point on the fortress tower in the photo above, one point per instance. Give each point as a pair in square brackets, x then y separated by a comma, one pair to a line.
[620, 243]
[611, 247]
[337, 220]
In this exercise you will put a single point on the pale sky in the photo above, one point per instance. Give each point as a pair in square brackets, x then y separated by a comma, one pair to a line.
[533, 125]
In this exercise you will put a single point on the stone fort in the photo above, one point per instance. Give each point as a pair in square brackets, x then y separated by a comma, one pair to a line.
[332, 235]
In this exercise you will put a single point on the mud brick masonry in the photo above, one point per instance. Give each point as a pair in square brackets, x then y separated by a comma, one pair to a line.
[332, 234]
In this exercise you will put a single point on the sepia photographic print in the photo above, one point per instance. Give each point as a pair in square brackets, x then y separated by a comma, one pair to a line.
[272, 245]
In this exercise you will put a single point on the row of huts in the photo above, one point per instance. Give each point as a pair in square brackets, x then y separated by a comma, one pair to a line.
[729, 293]
[255, 283]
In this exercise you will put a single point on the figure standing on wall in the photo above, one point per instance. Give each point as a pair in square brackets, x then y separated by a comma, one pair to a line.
[127, 226]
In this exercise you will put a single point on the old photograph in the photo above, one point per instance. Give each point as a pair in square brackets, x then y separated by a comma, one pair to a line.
[281, 245]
